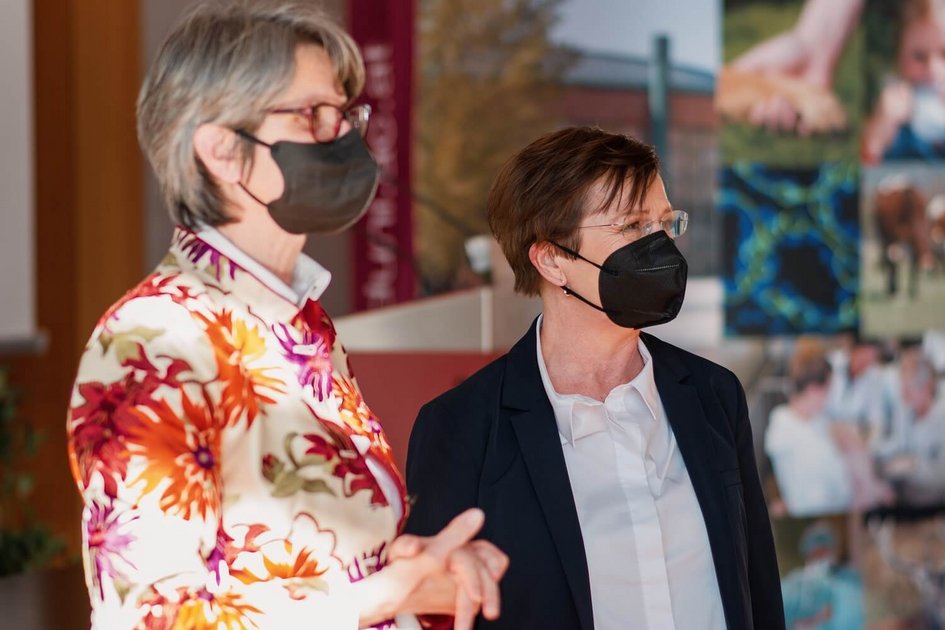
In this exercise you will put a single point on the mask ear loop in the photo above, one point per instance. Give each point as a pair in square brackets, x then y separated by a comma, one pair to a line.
[569, 291]
[248, 136]
[245, 135]
[577, 255]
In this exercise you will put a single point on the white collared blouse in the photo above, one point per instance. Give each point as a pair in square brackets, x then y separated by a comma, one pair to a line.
[645, 539]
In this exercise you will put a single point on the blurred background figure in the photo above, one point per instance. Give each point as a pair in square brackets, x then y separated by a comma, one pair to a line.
[914, 451]
[808, 464]
[821, 467]
[855, 394]
[823, 594]
[908, 121]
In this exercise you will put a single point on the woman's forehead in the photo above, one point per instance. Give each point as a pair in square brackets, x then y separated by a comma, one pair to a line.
[650, 200]
[313, 81]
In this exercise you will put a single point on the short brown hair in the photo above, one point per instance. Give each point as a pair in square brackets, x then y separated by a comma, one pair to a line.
[540, 194]
[808, 365]
[224, 63]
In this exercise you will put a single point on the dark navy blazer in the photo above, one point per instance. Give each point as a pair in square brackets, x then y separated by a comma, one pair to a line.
[493, 442]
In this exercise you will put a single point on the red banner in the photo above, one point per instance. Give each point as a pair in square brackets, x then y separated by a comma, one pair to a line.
[383, 240]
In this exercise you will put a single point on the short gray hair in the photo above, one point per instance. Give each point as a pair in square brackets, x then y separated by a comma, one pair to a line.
[223, 64]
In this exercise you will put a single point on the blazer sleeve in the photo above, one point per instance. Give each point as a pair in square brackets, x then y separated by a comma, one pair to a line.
[763, 577]
[444, 464]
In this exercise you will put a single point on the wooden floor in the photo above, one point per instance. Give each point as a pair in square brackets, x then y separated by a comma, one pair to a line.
[47, 600]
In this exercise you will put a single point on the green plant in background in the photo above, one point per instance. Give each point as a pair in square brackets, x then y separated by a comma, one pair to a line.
[24, 543]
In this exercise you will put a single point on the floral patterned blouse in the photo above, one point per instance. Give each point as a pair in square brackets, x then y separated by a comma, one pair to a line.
[231, 473]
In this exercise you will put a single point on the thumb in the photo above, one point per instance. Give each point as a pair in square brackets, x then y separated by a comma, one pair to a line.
[405, 546]
[457, 533]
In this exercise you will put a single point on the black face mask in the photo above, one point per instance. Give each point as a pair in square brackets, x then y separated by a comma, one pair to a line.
[641, 284]
[328, 186]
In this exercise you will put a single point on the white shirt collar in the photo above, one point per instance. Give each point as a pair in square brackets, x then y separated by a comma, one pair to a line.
[309, 279]
[577, 415]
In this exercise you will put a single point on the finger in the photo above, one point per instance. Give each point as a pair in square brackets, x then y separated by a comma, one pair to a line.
[769, 114]
[464, 566]
[773, 115]
[756, 116]
[457, 533]
[406, 546]
[787, 115]
[466, 611]
[490, 593]
[492, 557]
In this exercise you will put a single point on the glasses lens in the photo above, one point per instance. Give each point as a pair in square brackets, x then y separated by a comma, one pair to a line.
[358, 117]
[678, 223]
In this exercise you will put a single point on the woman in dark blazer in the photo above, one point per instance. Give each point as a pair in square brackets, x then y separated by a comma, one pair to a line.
[616, 470]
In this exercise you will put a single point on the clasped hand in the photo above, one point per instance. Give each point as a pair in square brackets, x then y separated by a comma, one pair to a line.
[445, 574]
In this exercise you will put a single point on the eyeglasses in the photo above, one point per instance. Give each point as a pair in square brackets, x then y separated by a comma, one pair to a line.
[674, 224]
[325, 120]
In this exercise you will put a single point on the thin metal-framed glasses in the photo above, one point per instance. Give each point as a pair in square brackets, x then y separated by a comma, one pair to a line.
[674, 224]
[325, 121]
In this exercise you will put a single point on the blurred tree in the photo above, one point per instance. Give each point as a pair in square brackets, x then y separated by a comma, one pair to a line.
[489, 83]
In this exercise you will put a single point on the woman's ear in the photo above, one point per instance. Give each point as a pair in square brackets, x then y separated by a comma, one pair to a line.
[216, 147]
[544, 257]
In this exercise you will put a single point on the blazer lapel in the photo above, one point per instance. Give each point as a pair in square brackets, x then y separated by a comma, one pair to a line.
[696, 440]
[526, 404]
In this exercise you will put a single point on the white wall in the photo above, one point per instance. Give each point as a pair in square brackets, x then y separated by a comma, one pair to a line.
[17, 267]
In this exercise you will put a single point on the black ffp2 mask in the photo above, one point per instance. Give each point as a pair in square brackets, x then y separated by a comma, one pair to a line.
[641, 284]
[328, 186]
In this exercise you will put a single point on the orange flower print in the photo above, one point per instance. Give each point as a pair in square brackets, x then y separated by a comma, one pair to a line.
[198, 610]
[293, 560]
[238, 347]
[288, 563]
[184, 448]
[99, 427]
[356, 414]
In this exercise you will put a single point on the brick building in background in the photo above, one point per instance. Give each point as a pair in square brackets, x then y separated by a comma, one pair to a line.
[611, 92]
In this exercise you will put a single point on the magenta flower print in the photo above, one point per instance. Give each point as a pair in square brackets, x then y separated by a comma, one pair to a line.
[196, 249]
[217, 557]
[311, 354]
[106, 541]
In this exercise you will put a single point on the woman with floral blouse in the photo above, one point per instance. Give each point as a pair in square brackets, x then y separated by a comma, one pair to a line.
[231, 472]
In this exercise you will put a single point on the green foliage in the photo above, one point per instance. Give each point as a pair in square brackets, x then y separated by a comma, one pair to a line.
[29, 548]
[490, 80]
[24, 544]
